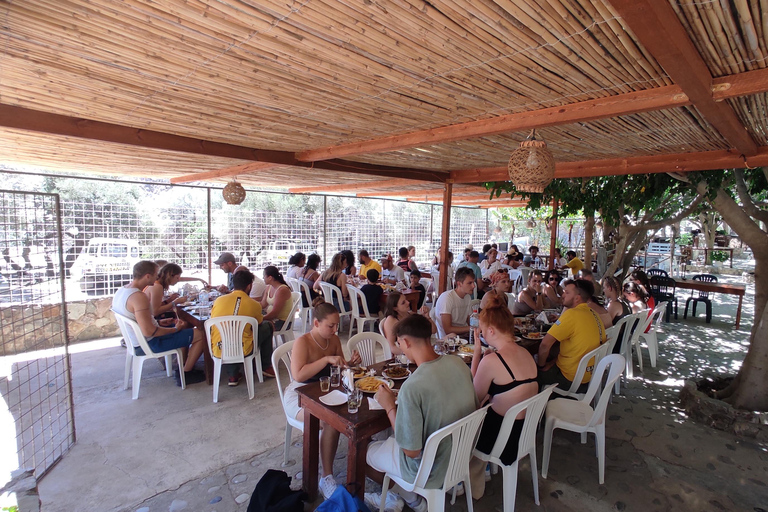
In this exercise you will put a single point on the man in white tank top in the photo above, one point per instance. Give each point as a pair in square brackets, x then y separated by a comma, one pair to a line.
[135, 306]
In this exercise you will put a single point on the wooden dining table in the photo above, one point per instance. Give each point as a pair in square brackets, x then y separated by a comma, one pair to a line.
[726, 288]
[357, 428]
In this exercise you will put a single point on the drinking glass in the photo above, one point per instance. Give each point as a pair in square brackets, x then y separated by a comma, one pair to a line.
[325, 384]
[335, 376]
[353, 400]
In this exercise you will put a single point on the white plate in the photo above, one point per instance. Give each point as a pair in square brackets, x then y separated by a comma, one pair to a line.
[388, 382]
[386, 374]
[333, 398]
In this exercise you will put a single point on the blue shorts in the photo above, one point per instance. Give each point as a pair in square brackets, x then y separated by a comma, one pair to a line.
[181, 339]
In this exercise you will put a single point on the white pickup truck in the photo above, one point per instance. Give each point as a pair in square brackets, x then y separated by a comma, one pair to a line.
[105, 264]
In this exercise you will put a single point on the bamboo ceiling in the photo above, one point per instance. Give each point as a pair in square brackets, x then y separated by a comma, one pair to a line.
[288, 78]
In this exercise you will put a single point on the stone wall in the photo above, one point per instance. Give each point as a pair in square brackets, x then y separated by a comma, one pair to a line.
[29, 327]
[91, 319]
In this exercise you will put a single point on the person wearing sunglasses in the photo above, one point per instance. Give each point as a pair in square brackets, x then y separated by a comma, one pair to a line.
[553, 292]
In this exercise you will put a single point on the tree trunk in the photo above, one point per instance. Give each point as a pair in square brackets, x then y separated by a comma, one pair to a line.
[589, 231]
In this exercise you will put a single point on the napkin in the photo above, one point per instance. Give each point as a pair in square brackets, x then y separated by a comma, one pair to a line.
[542, 318]
[373, 405]
[348, 378]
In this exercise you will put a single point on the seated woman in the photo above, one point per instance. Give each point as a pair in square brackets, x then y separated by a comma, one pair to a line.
[311, 358]
[505, 377]
[308, 276]
[553, 292]
[500, 286]
[531, 298]
[162, 263]
[161, 307]
[490, 264]
[297, 262]
[595, 306]
[617, 307]
[335, 275]
[641, 278]
[276, 301]
[349, 263]
[397, 308]
[636, 296]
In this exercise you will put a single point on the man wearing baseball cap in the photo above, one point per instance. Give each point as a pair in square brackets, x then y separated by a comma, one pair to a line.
[228, 264]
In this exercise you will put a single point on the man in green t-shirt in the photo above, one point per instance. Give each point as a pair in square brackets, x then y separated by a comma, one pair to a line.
[438, 393]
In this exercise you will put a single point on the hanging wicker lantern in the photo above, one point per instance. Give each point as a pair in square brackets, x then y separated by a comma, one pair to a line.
[531, 166]
[233, 193]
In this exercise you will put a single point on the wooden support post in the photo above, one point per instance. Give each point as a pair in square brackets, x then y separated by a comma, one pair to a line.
[445, 236]
[553, 231]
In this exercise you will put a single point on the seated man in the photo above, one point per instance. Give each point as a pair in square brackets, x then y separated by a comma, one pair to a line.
[472, 264]
[228, 263]
[391, 273]
[454, 306]
[490, 264]
[372, 292]
[438, 393]
[366, 263]
[532, 260]
[574, 263]
[587, 275]
[160, 339]
[579, 330]
[239, 303]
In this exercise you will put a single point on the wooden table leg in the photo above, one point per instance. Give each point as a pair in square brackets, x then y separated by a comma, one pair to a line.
[738, 312]
[311, 455]
[356, 463]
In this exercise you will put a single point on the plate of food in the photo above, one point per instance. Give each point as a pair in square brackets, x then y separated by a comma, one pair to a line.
[396, 372]
[467, 349]
[359, 371]
[371, 384]
[534, 335]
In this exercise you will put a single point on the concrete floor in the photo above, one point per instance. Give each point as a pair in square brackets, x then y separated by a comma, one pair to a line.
[174, 450]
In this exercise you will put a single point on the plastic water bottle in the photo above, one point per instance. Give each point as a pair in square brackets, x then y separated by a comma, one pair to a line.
[204, 297]
[474, 322]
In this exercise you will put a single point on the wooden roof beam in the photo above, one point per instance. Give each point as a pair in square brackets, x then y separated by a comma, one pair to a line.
[355, 186]
[436, 192]
[681, 162]
[659, 30]
[21, 118]
[224, 173]
[660, 98]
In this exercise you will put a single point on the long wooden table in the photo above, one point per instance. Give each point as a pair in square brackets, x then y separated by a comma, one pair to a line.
[728, 289]
[357, 427]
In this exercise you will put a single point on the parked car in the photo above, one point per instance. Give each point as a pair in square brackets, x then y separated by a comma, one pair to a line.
[105, 264]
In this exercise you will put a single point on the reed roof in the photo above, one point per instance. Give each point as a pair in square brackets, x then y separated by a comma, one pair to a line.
[306, 85]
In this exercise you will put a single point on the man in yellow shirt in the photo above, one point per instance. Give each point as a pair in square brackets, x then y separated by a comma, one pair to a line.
[578, 330]
[239, 303]
[366, 263]
[574, 263]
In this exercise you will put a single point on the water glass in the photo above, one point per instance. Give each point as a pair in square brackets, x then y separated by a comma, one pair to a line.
[335, 376]
[353, 400]
[325, 384]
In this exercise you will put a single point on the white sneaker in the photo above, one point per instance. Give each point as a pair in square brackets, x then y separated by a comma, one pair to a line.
[393, 503]
[420, 505]
[327, 486]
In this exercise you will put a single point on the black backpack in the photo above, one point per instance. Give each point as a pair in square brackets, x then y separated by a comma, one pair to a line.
[273, 494]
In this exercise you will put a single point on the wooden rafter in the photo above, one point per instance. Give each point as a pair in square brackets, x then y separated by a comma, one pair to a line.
[366, 185]
[432, 192]
[34, 120]
[741, 84]
[681, 162]
[659, 30]
[224, 173]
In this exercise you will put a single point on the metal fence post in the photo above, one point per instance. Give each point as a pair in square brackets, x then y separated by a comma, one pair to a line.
[208, 263]
[325, 230]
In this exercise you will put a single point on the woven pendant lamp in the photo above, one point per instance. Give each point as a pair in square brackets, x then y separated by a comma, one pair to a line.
[233, 193]
[531, 166]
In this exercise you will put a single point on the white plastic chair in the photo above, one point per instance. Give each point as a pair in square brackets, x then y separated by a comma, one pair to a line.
[425, 282]
[650, 337]
[511, 300]
[641, 323]
[130, 330]
[365, 343]
[331, 291]
[286, 331]
[231, 329]
[534, 409]
[283, 354]
[594, 356]
[435, 318]
[463, 435]
[623, 328]
[306, 311]
[358, 303]
[579, 416]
